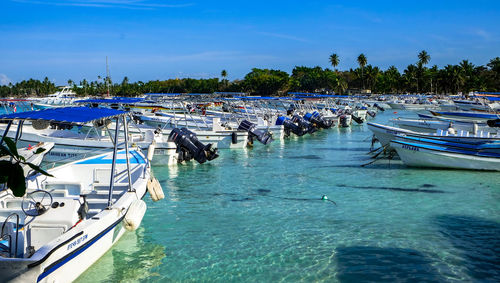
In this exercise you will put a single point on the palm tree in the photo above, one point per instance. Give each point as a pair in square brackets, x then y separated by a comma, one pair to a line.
[468, 72]
[423, 59]
[362, 63]
[454, 77]
[224, 75]
[334, 60]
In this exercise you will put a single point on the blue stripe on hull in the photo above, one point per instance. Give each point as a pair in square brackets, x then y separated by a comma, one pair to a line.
[76, 252]
[135, 158]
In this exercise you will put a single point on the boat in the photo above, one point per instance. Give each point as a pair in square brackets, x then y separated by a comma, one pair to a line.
[385, 134]
[467, 115]
[75, 142]
[32, 154]
[67, 221]
[64, 97]
[417, 154]
[432, 125]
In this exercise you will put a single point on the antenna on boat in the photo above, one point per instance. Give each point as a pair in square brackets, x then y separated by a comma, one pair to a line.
[108, 76]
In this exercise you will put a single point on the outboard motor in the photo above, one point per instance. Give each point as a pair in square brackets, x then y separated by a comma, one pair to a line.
[189, 147]
[356, 118]
[371, 113]
[290, 110]
[290, 126]
[308, 127]
[493, 123]
[378, 107]
[136, 117]
[318, 120]
[343, 121]
[264, 137]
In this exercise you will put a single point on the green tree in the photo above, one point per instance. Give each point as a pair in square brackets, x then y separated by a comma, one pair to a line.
[266, 81]
[362, 63]
[334, 60]
[423, 59]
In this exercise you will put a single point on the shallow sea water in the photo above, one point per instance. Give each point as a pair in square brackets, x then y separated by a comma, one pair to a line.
[256, 215]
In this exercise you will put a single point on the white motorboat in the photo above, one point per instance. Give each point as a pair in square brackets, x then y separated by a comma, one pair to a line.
[65, 97]
[417, 154]
[432, 125]
[66, 222]
[385, 134]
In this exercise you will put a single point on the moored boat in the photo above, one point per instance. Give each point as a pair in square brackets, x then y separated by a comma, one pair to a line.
[67, 221]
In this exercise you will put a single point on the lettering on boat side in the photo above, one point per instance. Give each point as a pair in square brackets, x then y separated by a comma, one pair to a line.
[62, 154]
[78, 241]
[410, 147]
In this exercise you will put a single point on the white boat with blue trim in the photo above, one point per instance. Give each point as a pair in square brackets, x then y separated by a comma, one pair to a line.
[66, 222]
[419, 154]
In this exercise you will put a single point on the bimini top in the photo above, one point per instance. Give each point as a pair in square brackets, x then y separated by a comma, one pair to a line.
[116, 100]
[74, 115]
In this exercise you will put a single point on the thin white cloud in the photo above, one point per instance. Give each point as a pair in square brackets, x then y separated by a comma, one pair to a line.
[4, 80]
[126, 4]
[283, 36]
[483, 34]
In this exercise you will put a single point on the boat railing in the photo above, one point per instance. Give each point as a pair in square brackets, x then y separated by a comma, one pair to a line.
[3, 236]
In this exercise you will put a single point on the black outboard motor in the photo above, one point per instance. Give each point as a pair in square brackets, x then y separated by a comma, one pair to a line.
[343, 121]
[264, 137]
[356, 118]
[289, 126]
[290, 110]
[378, 107]
[136, 117]
[308, 127]
[189, 147]
[318, 120]
[371, 113]
[493, 123]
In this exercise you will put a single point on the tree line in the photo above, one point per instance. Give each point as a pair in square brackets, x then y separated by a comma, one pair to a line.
[415, 78]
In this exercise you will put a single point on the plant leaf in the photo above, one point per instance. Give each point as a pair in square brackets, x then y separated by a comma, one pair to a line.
[17, 181]
[39, 150]
[5, 151]
[38, 169]
[12, 146]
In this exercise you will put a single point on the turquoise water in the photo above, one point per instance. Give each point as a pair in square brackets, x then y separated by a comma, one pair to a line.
[256, 215]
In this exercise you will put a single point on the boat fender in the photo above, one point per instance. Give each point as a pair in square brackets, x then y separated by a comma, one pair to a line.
[151, 150]
[155, 189]
[135, 213]
[234, 138]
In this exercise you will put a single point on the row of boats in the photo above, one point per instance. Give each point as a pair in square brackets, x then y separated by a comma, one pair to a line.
[102, 151]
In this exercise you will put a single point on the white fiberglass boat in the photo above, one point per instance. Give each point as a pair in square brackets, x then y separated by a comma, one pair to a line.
[66, 222]
[385, 134]
[417, 154]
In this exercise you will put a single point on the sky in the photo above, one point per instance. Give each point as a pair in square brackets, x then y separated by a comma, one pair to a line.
[156, 40]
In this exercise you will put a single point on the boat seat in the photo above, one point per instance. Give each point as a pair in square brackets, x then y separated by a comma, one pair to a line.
[64, 189]
[13, 203]
[54, 222]
[102, 175]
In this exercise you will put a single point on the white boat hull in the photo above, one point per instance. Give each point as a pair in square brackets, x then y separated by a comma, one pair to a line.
[421, 157]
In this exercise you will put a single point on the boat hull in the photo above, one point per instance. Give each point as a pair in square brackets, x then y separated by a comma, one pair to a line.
[421, 157]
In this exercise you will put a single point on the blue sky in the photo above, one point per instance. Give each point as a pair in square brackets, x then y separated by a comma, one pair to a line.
[153, 39]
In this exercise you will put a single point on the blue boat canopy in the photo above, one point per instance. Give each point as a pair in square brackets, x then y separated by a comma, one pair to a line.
[74, 115]
[125, 100]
